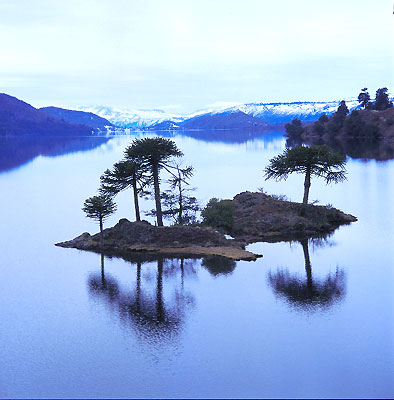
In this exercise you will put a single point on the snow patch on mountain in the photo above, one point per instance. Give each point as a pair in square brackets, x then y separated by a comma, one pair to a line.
[271, 113]
[285, 112]
[132, 118]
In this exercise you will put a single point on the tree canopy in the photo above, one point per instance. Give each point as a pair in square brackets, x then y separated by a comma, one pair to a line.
[152, 151]
[178, 204]
[120, 178]
[154, 154]
[294, 129]
[364, 97]
[317, 160]
[382, 101]
[99, 208]
[125, 174]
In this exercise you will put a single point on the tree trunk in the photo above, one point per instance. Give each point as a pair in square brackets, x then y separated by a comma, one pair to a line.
[138, 289]
[101, 231]
[102, 271]
[308, 267]
[180, 219]
[159, 215]
[136, 204]
[160, 313]
[182, 272]
[307, 185]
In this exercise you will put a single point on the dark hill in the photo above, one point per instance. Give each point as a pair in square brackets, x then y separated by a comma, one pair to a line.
[19, 118]
[358, 124]
[77, 117]
[227, 120]
[361, 134]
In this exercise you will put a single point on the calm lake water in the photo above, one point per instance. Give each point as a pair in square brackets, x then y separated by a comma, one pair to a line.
[75, 325]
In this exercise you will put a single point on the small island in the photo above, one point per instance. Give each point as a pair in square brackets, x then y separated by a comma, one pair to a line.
[127, 238]
[254, 217]
[249, 217]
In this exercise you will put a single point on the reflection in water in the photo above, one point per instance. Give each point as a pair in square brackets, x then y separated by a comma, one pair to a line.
[155, 317]
[16, 151]
[311, 293]
[234, 135]
[363, 149]
[226, 135]
[104, 286]
[155, 308]
[219, 265]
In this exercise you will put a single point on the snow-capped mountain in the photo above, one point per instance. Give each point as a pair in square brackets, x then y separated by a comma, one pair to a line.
[270, 113]
[131, 118]
[277, 113]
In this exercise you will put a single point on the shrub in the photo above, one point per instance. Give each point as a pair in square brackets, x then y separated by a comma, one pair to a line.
[219, 214]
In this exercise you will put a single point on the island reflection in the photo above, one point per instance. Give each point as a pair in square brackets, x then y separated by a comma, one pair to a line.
[361, 149]
[16, 151]
[156, 307]
[308, 293]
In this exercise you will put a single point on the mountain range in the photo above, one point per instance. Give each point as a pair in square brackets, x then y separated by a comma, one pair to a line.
[20, 118]
[259, 115]
[78, 117]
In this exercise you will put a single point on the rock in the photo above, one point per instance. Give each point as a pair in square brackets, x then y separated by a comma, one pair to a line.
[260, 217]
[130, 237]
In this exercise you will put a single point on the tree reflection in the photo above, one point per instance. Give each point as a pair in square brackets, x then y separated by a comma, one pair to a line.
[154, 316]
[100, 285]
[218, 265]
[312, 292]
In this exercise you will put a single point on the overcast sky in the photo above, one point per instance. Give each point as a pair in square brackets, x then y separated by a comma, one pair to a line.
[182, 55]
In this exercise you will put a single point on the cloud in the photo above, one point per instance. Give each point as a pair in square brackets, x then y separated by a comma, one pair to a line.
[187, 52]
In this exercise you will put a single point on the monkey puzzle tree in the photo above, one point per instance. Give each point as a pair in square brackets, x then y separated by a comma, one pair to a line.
[99, 208]
[321, 161]
[177, 204]
[364, 97]
[382, 101]
[154, 154]
[125, 173]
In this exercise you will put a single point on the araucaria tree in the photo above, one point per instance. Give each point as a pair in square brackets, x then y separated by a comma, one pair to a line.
[125, 174]
[320, 161]
[177, 204]
[187, 205]
[154, 154]
[364, 97]
[99, 208]
[382, 101]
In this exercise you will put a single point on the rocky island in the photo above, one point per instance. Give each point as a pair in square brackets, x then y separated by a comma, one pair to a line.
[127, 237]
[267, 218]
[255, 217]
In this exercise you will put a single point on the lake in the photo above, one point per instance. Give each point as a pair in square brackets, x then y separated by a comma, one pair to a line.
[307, 320]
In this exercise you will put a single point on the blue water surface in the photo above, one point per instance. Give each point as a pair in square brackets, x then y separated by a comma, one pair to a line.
[75, 325]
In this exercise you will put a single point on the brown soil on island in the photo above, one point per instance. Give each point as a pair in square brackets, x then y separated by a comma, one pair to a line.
[127, 237]
[261, 217]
